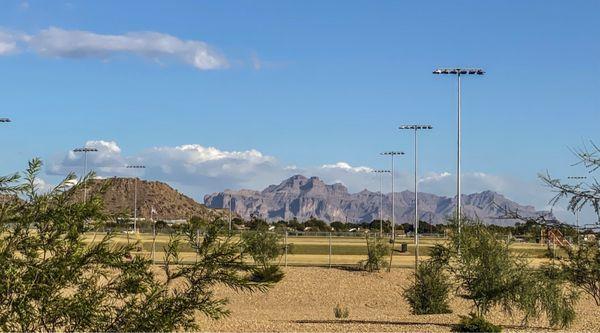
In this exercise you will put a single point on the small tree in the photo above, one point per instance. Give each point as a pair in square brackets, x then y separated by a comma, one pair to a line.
[582, 268]
[263, 247]
[429, 294]
[54, 278]
[489, 275]
[377, 249]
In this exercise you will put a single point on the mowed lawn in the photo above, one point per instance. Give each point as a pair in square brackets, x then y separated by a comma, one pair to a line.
[315, 251]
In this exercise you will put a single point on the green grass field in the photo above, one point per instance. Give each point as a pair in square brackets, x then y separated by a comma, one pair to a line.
[314, 251]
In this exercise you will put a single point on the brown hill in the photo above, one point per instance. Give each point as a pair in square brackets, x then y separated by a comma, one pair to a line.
[167, 202]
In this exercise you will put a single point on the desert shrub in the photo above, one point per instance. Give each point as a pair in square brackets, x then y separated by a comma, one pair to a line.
[341, 312]
[429, 293]
[53, 280]
[474, 323]
[489, 275]
[263, 247]
[377, 249]
[267, 273]
[582, 268]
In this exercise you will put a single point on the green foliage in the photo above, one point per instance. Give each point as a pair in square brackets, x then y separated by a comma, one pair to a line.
[376, 224]
[377, 249]
[341, 312]
[53, 280]
[429, 293]
[316, 225]
[474, 323]
[338, 226]
[267, 273]
[263, 247]
[582, 268]
[489, 275]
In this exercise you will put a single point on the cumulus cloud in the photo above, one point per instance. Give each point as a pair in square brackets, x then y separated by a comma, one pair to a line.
[343, 166]
[107, 160]
[209, 166]
[199, 170]
[8, 42]
[61, 43]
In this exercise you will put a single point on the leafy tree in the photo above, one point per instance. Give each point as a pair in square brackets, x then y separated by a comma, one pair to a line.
[264, 247]
[338, 226]
[375, 224]
[489, 275]
[377, 249]
[316, 225]
[54, 278]
[582, 267]
[429, 293]
[583, 193]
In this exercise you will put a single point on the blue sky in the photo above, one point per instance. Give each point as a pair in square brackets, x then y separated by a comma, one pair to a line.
[279, 87]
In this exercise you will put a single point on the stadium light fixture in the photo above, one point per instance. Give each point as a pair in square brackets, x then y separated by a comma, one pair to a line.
[85, 151]
[381, 172]
[458, 72]
[392, 154]
[135, 194]
[416, 128]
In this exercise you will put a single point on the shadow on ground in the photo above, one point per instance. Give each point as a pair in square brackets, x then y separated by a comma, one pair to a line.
[405, 323]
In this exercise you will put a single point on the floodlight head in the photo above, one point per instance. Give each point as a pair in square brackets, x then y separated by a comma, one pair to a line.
[136, 166]
[382, 171]
[415, 127]
[85, 150]
[459, 71]
[5, 120]
[577, 177]
[392, 153]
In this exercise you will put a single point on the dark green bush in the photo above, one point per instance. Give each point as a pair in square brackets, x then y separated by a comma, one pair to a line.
[474, 323]
[429, 293]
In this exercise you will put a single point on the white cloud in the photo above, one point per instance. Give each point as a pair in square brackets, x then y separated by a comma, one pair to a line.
[347, 167]
[201, 170]
[194, 163]
[61, 43]
[8, 42]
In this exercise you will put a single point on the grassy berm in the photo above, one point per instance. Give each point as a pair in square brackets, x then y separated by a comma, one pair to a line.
[305, 299]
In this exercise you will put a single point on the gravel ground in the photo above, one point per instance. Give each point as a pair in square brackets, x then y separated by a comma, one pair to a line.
[305, 299]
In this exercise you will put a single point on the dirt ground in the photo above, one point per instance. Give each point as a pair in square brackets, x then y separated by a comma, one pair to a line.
[305, 299]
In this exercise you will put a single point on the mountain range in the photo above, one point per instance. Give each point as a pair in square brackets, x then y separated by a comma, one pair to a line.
[302, 198]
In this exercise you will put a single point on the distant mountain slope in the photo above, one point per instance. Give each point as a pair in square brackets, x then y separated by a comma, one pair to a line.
[303, 197]
[167, 202]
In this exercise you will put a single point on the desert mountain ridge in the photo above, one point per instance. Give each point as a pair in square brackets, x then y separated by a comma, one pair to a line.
[302, 198]
[168, 203]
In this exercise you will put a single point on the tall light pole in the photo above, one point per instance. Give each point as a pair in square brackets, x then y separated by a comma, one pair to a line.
[416, 128]
[392, 154]
[578, 178]
[458, 72]
[381, 172]
[135, 194]
[85, 151]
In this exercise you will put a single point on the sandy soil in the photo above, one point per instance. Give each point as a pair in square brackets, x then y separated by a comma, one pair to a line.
[305, 299]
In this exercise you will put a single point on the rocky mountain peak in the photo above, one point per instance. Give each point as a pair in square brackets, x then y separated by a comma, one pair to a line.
[302, 197]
